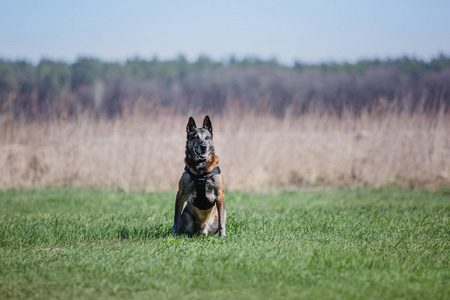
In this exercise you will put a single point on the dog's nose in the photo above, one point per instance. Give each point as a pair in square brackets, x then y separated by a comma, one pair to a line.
[203, 147]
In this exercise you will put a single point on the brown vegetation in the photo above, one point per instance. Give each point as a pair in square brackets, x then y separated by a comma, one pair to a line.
[146, 152]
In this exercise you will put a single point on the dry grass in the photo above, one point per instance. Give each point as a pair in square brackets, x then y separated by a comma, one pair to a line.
[137, 153]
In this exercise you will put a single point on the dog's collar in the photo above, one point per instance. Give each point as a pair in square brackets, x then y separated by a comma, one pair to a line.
[200, 185]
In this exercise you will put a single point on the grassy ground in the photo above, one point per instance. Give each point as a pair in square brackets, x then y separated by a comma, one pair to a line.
[339, 244]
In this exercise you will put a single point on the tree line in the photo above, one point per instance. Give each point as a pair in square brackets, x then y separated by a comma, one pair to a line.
[55, 88]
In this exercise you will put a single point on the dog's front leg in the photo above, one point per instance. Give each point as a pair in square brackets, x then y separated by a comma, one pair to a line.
[222, 215]
[178, 208]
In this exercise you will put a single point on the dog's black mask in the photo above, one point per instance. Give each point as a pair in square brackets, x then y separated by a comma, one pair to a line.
[199, 145]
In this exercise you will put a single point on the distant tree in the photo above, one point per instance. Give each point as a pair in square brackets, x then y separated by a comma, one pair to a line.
[204, 63]
[183, 67]
[26, 87]
[412, 67]
[7, 80]
[7, 84]
[52, 77]
[138, 69]
[85, 71]
[25, 74]
[440, 63]
[299, 66]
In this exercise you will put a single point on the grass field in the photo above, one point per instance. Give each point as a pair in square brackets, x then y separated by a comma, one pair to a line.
[311, 244]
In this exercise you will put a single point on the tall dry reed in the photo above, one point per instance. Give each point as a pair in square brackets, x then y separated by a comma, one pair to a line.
[257, 152]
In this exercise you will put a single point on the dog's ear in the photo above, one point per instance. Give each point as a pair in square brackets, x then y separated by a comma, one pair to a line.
[207, 124]
[191, 126]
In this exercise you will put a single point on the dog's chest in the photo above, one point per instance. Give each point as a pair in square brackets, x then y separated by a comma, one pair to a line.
[202, 194]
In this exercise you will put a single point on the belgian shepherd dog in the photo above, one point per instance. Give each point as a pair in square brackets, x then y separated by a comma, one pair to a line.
[201, 186]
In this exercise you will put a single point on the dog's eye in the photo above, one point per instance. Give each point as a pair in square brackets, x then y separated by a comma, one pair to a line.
[207, 138]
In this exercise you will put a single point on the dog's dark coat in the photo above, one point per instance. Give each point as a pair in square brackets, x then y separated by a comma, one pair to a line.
[201, 202]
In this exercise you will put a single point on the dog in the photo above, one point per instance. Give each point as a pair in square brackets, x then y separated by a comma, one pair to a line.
[201, 186]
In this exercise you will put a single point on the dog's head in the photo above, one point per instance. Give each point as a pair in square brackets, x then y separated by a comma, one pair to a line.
[199, 144]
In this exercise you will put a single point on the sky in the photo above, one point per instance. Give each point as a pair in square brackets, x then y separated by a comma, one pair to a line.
[306, 31]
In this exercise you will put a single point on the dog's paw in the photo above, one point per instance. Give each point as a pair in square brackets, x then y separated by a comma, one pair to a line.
[175, 230]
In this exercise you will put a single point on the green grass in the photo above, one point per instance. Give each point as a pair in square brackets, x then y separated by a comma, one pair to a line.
[338, 244]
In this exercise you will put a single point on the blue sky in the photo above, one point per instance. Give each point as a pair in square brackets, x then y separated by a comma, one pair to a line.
[308, 31]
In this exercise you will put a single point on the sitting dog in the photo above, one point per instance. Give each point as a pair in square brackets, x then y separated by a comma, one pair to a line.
[201, 186]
